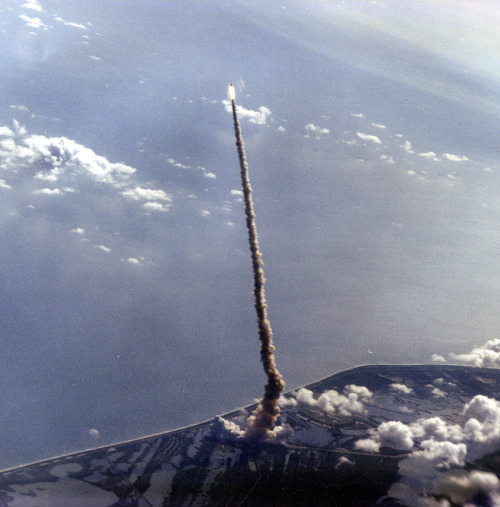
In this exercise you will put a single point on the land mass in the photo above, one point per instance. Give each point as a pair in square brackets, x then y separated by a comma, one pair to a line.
[315, 458]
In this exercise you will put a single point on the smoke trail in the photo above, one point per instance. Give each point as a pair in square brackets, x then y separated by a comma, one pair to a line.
[262, 421]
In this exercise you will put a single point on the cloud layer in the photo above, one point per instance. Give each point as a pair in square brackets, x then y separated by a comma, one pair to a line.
[486, 356]
[444, 444]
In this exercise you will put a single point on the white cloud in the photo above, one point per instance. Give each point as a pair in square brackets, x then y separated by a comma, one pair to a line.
[133, 260]
[430, 155]
[401, 388]
[310, 127]
[104, 248]
[48, 191]
[32, 4]
[155, 206]
[358, 115]
[78, 230]
[238, 193]
[210, 175]
[334, 402]
[464, 487]
[437, 429]
[70, 23]
[19, 129]
[281, 129]
[455, 158]
[3, 184]
[367, 445]
[443, 454]
[258, 117]
[343, 460]
[387, 158]
[33, 22]
[369, 138]
[436, 358]
[139, 193]
[96, 58]
[393, 434]
[94, 433]
[21, 108]
[174, 162]
[6, 131]
[483, 424]
[407, 147]
[438, 393]
[443, 444]
[487, 355]
[378, 125]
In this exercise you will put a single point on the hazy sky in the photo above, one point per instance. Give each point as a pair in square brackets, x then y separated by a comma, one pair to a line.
[371, 130]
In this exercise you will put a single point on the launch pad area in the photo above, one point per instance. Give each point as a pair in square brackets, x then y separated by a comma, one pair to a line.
[317, 462]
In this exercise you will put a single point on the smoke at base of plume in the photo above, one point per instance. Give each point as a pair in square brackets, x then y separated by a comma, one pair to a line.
[261, 423]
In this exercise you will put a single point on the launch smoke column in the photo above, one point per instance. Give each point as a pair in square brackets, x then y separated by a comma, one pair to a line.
[262, 421]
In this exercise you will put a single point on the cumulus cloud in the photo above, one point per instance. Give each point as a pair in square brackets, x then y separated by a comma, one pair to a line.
[369, 138]
[139, 193]
[358, 115]
[334, 402]
[437, 393]
[401, 388]
[155, 206]
[463, 487]
[407, 147]
[6, 131]
[94, 433]
[70, 23]
[443, 454]
[21, 108]
[378, 125]
[59, 159]
[310, 127]
[387, 158]
[33, 22]
[436, 358]
[343, 460]
[487, 355]
[368, 445]
[32, 4]
[454, 158]
[445, 445]
[258, 117]
[437, 429]
[48, 191]
[430, 155]
[394, 434]
[175, 163]
[104, 248]
[49, 167]
[78, 230]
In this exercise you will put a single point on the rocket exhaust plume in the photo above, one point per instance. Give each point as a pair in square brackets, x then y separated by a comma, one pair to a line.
[262, 421]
